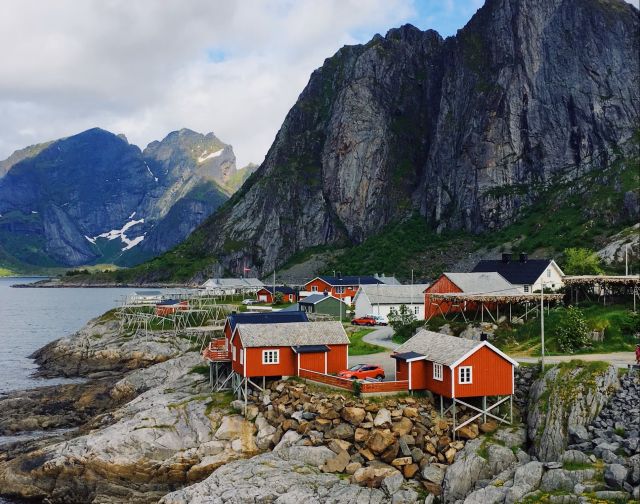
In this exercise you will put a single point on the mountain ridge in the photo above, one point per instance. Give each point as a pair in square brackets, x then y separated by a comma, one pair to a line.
[466, 131]
[94, 197]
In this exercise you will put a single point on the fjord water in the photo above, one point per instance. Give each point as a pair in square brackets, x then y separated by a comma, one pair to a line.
[31, 318]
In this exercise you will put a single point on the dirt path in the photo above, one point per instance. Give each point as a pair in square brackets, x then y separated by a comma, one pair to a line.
[618, 359]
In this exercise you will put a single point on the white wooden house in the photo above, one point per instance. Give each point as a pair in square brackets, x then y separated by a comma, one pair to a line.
[382, 299]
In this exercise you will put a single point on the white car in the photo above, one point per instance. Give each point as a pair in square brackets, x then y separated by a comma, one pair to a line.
[249, 301]
[380, 319]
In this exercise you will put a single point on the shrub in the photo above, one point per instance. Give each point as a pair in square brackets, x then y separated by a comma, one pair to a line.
[403, 317]
[581, 261]
[278, 298]
[573, 332]
[357, 387]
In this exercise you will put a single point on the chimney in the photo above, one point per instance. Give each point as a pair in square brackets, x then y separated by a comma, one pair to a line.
[506, 258]
[483, 336]
[524, 257]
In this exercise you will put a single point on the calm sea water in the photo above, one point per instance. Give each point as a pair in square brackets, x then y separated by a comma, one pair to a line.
[31, 318]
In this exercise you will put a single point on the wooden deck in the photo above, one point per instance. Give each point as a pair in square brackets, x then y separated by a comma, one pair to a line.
[217, 351]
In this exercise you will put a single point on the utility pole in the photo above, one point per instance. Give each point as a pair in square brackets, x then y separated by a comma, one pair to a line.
[273, 297]
[626, 259]
[412, 308]
[542, 321]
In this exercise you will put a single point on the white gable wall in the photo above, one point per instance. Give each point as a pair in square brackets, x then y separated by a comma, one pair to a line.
[364, 307]
[551, 276]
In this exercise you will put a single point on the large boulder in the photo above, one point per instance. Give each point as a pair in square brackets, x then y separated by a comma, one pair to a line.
[566, 396]
[468, 468]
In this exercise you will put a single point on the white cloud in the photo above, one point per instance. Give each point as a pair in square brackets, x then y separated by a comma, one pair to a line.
[147, 67]
[144, 68]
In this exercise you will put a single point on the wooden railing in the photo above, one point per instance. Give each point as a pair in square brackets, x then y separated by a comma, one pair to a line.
[217, 350]
[366, 387]
[385, 386]
[334, 381]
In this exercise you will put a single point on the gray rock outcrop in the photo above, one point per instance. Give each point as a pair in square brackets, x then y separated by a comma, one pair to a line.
[564, 398]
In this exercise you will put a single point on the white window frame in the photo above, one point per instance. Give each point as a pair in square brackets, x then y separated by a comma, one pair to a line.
[416, 310]
[242, 356]
[314, 288]
[461, 375]
[548, 272]
[437, 371]
[233, 352]
[339, 290]
[526, 288]
[271, 356]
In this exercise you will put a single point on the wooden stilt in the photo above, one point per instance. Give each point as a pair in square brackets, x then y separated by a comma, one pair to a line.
[454, 418]
[511, 409]
[484, 408]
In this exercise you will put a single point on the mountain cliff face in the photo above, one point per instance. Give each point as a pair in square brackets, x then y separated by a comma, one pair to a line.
[95, 198]
[465, 131]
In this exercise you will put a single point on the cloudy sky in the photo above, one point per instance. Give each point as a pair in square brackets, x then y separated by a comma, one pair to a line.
[147, 67]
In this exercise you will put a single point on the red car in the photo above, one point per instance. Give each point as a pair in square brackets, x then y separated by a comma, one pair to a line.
[362, 371]
[368, 321]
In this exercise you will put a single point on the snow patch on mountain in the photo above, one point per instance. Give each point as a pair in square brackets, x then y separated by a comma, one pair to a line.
[121, 233]
[205, 155]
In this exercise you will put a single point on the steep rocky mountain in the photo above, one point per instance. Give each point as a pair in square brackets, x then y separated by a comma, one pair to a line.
[95, 198]
[466, 131]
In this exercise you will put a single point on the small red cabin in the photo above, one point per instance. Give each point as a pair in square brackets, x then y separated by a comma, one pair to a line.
[281, 349]
[468, 283]
[265, 295]
[454, 367]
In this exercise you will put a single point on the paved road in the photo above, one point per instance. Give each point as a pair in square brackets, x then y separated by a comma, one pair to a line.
[381, 336]
[618, 359]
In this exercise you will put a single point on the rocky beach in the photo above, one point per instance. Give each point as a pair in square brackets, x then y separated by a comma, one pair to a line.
[143, 426]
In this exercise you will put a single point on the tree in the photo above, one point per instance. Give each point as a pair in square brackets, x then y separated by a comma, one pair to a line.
[581, 261]
[401, 318]
[573, 332]
[278, 298]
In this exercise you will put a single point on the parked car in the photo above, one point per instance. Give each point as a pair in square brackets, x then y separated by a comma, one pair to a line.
[365, 321]
[362, 371]
[380, 319]
[249, 301]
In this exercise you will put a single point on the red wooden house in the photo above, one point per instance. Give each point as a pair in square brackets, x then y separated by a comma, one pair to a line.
[265, 295]
[467, 283]
[281, 349]
[454, 367]
[344, 288]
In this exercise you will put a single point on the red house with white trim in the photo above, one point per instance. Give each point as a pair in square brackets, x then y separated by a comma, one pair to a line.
[344, 288]
[454, 367]
[265, 295]
[281, 349]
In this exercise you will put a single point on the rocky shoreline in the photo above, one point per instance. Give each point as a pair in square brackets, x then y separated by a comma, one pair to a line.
[144, 427]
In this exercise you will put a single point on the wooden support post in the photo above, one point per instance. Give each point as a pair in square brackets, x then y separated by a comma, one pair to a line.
[510, 318]
[441, 406]
[264, 382]
[511, 409]
[484, 408]
[454, 418]
[245, 397]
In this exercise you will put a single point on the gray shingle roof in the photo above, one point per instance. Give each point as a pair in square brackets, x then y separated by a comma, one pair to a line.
[316, 298]
[438, 347]
[292, 334]
[394, 294]
[476, 283]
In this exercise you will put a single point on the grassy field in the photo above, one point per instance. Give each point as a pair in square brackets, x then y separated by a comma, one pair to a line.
[358, 346]
[616, 321]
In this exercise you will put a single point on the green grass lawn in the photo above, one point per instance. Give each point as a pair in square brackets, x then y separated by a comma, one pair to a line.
[616, 320]
[360, 347]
